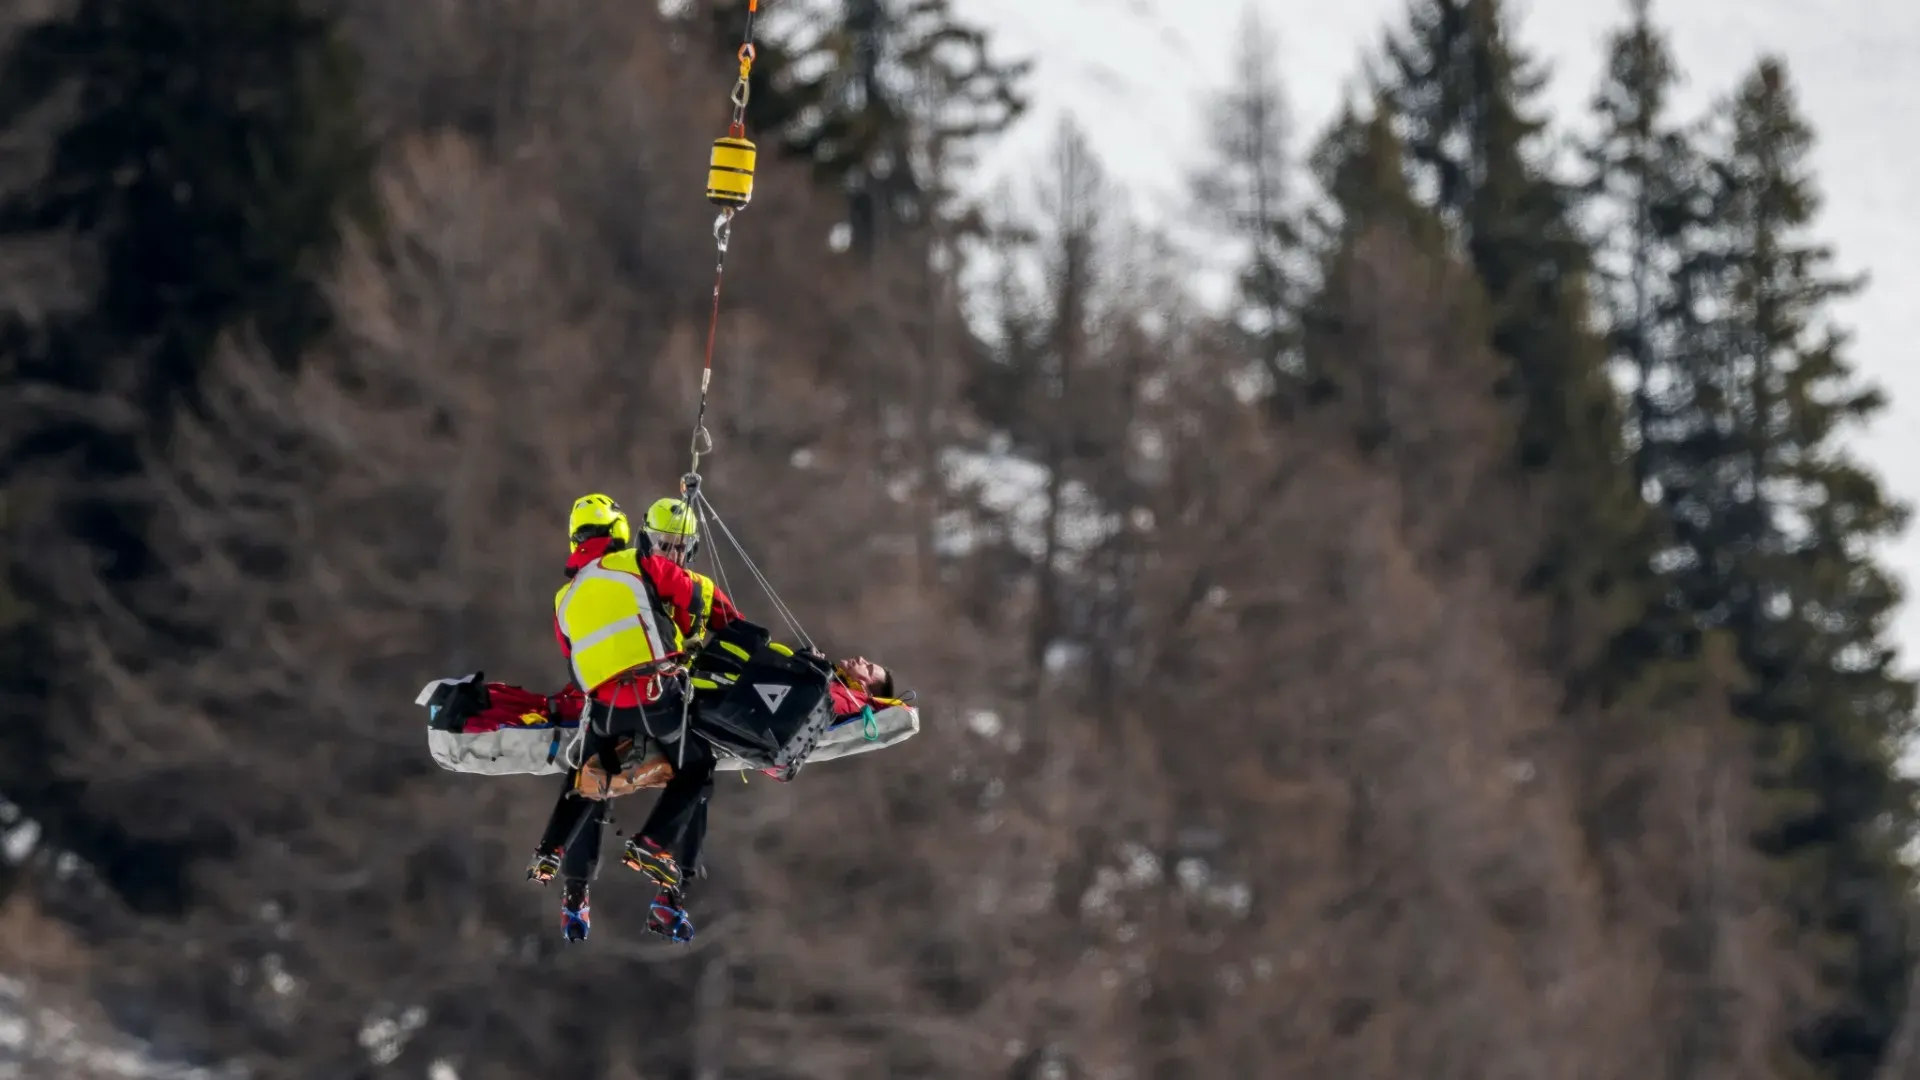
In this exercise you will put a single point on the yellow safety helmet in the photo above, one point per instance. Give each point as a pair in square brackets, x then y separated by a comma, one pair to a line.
[598, 515]
[672, 527]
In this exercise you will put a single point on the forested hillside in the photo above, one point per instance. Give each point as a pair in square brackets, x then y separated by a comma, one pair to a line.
[1463, 657]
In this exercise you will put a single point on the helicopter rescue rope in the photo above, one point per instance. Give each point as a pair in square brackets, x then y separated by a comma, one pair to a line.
[730, 174]
[730, 187]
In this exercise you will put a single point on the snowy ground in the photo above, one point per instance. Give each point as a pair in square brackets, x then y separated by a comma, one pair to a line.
[39, 1042]
[1132, 74]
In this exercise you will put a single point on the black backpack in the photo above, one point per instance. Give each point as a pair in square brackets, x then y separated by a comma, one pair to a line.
[758, 700]
[453, 703]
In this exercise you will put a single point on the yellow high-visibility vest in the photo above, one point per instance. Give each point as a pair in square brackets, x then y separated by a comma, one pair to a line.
[612, 620]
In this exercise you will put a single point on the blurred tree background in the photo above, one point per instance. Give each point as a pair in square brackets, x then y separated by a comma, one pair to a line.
[1461, 656]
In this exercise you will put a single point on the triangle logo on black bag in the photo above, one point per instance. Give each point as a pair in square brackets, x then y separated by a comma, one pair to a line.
[772, 695]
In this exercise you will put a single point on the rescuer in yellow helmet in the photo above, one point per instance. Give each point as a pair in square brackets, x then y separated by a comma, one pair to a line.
[625, 617]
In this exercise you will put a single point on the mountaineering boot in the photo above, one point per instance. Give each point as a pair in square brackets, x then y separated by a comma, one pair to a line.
[545, 864]
[668, 919]
[574, 915]
[654, 861]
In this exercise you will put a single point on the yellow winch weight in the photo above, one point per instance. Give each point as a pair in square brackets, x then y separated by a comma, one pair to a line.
[730, 186]
[730, 173]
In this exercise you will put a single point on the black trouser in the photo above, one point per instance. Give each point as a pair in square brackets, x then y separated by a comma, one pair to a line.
[678, 821]
[575, 824]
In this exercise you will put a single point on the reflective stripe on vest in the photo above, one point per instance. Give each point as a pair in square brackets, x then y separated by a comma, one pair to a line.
[618, 630]
[702, 604]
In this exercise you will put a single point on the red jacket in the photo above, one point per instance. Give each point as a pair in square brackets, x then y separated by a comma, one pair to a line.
[847, 701]
[676, 588]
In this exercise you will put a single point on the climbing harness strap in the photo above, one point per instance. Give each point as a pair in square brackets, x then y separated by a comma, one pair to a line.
[644, 681]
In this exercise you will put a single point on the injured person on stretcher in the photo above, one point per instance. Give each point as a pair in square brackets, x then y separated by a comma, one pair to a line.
[859, 692]
[755, 705]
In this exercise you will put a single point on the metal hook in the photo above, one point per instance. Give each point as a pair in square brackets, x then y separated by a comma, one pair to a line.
[723, 228]
[702, 446]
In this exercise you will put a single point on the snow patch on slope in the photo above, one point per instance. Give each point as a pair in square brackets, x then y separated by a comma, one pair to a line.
[1011, 495]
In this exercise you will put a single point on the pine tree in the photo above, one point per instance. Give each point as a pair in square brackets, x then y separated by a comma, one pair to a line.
[214, 146]
[211, 148]
[1462, 92]
[1646, 190]
[1717, 303]
[1247, 190]
[1783, 522]
[1362, 165]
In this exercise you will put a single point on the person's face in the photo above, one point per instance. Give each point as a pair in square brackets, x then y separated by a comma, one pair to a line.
[863, 671]
[673, 547]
